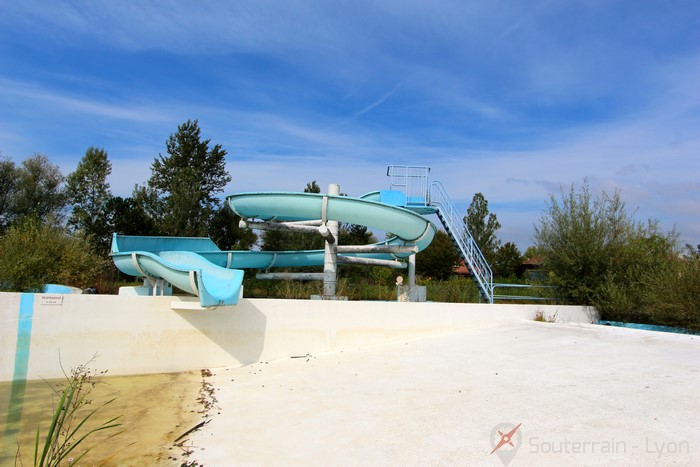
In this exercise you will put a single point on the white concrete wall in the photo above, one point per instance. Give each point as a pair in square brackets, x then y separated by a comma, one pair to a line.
[135, 335]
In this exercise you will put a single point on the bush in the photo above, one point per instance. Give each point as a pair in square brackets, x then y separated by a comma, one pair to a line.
[596, 254]
[35, 253]
[672, 295]
[593, 248]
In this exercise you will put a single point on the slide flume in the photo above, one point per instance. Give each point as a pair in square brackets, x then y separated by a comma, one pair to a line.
[197, 266]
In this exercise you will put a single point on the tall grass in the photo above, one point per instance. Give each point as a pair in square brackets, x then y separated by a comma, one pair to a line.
[64, 442]
[456, 290]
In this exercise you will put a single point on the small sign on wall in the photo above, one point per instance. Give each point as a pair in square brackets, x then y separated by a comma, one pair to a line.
[51, 300]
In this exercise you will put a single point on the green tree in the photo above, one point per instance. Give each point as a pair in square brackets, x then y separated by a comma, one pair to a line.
[483, 226]
[8, 186]
[183, 185]
[354, 234]
[125, 216]
[671, 294]
[276, 240]
[89, 194]
[38, 190]
[225, 232]
[644, 253]
[312, 187]
[439, 259]
[34, 253]
[507, 260]
[595, 251]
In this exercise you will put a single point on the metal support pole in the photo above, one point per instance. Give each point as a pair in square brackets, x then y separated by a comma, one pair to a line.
[371, 262]
[280, 226]
[377, 249]
[412, 271]
[291, 276]
[330, 263]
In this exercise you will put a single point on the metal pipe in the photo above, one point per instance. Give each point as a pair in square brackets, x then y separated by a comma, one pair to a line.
[377, 249]
[371, 262]
[279, 226]
[315, 222]
[291, 276]
[326, 233]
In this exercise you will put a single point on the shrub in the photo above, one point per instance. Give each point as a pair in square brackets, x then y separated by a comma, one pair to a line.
[35, 253]
[672, 294]
[594, 250]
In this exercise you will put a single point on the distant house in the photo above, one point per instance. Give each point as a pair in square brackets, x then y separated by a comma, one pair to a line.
[531, 267]
[462, 269]
[532, 263]
[528, 267]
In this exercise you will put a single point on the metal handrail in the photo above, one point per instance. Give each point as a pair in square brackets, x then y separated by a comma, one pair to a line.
[414, 182]
[478, 266]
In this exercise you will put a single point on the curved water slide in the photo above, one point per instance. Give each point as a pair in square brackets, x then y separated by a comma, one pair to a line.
[197, 266]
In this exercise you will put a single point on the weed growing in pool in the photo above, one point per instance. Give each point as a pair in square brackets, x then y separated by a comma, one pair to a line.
[72, 422]
[540, 316]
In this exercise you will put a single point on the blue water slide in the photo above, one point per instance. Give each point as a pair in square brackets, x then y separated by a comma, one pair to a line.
[197, 266]
[186, 270]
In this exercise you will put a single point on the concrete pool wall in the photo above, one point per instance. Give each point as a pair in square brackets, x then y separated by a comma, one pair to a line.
[132, 335]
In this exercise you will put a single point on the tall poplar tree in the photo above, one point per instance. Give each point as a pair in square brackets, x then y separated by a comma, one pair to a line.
[185, 182]
[89, 193]
[483, 225]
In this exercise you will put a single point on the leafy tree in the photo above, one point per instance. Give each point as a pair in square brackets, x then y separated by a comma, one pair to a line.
[225, 232]
[354, 234]
[439, 259]
[483, 226]
[34, 253]
[125, 216]
[276, 240]
[594, 250]
[150, 204]
[312, 187]
[183, 184]
[507, 260]
[671, 294]
[38, 190]
[8, 185]
[89, 193]
[643, 254]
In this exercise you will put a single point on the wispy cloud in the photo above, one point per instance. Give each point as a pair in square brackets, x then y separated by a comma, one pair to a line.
[18, 93]
[504, 98]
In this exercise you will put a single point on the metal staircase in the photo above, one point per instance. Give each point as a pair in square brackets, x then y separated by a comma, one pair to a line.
[422, 195]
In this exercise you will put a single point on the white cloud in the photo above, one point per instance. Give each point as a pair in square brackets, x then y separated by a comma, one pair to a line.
[19, 94]
[510, 99]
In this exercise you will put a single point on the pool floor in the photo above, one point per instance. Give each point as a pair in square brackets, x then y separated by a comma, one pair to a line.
[154, 409]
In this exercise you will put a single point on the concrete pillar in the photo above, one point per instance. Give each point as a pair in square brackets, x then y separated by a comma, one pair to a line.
[330, 263]
[412, 271]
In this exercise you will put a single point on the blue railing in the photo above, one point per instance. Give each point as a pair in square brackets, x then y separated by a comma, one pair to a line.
[414, 182]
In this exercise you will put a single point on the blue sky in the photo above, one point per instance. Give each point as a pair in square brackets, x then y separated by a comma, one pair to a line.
[511, 99]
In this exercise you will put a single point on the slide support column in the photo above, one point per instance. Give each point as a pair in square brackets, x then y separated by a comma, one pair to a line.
[412, 271]
[330, 263]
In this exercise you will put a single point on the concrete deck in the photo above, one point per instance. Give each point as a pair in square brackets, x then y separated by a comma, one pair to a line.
[585, 395]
